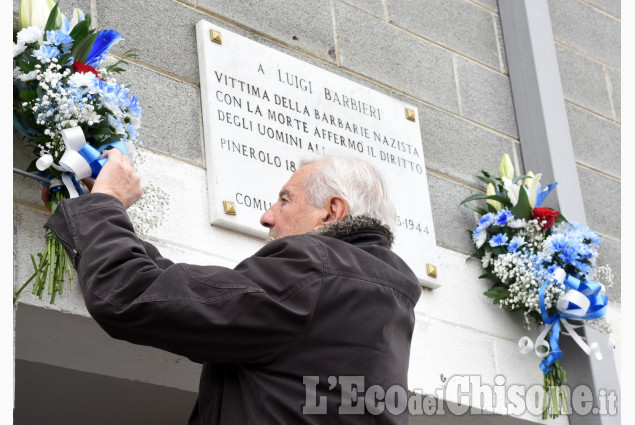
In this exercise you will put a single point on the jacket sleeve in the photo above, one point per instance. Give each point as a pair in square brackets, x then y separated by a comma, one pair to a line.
[206, 313]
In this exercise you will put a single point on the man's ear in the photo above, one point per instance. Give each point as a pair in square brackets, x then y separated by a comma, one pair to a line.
[337, 209]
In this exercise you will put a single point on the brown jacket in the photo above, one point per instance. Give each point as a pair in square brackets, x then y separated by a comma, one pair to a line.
[304, 310]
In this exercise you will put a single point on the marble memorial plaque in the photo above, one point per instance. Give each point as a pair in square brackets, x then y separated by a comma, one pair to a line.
[264, 111]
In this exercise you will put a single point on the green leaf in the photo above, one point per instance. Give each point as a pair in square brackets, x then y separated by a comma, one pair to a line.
[497, 293]
[481, 211]
[487, 180]
[82, 49]
[88, 18]
[28, 95]
[15, 35]
[561, 218]
[523, 177]
[523, 207]
[52, 22]
[503, 200]
[32, 168]
[80, 32]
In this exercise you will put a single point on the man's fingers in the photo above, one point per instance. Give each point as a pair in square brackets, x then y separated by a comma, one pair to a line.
[113, 153]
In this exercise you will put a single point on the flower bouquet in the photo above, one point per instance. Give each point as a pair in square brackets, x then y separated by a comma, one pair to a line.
[70, 109]
[540, 264]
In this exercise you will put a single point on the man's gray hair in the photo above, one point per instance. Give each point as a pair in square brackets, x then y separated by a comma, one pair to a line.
[355, 180]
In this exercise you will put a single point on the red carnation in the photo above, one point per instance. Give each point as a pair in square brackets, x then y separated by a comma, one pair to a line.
[82, 68]
[545, 214]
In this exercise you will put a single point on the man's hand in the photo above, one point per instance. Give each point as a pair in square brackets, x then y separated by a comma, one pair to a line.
[119, 179]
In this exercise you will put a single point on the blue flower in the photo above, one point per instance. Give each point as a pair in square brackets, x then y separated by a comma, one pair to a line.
[486, 220]
[46, 52]
[515, 243]
[558, 242]
[60, 39]
[569, 255]
[503, 217]
[104, 41]
[499, 239]
[541, 195]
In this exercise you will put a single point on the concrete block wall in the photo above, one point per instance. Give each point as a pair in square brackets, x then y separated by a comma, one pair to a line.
[588, 48]
[444, 57]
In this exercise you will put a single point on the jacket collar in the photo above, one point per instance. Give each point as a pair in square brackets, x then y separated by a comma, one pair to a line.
[357, 230]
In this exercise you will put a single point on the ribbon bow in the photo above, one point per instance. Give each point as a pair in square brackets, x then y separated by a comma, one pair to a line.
[80, 159]
[581, 301]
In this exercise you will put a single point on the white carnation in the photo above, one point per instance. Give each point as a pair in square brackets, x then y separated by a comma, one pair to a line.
[30, 35]
[30, 76]
[81, 79]
[18, 48]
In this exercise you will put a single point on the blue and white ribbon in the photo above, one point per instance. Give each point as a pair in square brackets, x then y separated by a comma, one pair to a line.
[583, 300]
[80, 160]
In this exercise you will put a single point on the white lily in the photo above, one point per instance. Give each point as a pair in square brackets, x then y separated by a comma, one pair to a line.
[77, 17]
[513, 190]
[533, 188]
[35, 12]
[506, 168]
[492, 191]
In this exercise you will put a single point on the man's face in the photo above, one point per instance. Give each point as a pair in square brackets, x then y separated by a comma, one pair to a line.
[292, 215]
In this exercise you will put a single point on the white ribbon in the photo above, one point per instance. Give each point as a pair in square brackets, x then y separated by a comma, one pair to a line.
[582, 302]
[72, 161]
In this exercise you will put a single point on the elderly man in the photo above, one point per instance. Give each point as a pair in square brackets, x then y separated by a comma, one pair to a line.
[294, 334]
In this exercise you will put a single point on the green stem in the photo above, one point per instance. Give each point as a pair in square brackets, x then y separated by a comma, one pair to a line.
[43, 280]
[53, 264]
[68, 270]
[15, 296]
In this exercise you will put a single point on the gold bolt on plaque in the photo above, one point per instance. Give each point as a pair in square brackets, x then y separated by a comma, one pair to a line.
[410, 114]
[215, 37]
[230, 207]
[431, 270]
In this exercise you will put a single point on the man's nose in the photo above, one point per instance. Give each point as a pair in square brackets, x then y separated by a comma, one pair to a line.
[267, 219]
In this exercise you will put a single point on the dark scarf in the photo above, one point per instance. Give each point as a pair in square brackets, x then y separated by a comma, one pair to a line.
[352, 225]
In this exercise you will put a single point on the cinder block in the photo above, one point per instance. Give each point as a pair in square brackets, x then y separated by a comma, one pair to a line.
[451, 221]
[602, 202]
[462, 291]
[171, 113]
[380, 51]
[457, 24]
[440, 350]
[610, 253]
[306, 25]
[583, 81]
[486, 96]
[490, 4]
[374, 7]
[596, 141]
[501, 44]
[615, 77]
[614, 7]
[66, 7]
[458, 148]
[162, 31]
[584, 28]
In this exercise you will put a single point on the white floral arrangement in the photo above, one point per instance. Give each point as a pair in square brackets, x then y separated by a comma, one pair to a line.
[540, 264]
[70, 108]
